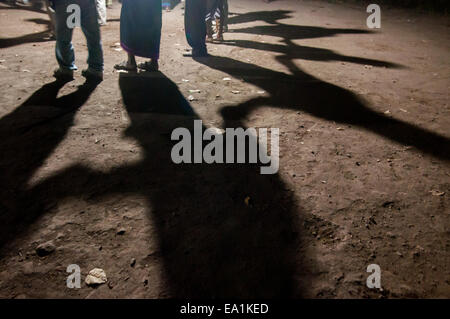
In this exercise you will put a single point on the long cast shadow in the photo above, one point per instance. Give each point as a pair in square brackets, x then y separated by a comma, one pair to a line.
[282, 30]
[293, 51]
[289, 33]
[297, 32]
[212, 243]
[28, 136]
[36, 6]
[310, 94]
[323, 100]
[28, 38]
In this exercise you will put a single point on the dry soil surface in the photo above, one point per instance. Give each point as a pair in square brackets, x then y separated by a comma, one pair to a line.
[364, 159]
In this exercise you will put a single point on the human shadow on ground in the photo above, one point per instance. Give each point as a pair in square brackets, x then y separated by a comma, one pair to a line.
[28, 136]
[303, 92]
[36, 6]
[270, 17]
[224, 230]
[289, 33]
[312, 95]
[43, 36]
[276, 28]
[293, 51]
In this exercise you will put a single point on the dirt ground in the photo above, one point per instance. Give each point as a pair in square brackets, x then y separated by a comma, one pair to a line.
[364, 178]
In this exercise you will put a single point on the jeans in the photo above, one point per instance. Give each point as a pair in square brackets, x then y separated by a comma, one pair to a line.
[65, 54]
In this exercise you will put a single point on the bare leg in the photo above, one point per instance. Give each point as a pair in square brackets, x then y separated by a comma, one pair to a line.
[131, 60]
[129, 65]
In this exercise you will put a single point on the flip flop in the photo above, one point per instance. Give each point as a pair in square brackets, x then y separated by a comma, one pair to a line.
[125, 66]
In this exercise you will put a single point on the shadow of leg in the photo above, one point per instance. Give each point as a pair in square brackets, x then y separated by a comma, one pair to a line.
[29, 134]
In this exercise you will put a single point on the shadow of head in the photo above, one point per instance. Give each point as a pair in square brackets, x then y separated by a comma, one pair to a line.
[44, 106]
[212, 242]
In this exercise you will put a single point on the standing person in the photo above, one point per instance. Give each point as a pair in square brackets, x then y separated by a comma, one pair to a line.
[140, 33]
[65, 54]
[195, 26]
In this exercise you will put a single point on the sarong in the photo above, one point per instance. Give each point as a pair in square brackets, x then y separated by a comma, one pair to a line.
[140, 27]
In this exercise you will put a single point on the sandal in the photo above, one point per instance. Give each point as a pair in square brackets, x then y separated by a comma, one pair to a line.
[149, 66]
[125, 66]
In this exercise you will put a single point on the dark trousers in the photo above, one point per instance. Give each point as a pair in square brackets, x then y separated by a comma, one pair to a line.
[195, 25]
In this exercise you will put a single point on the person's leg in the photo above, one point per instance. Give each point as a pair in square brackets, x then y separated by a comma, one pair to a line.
[51, 15]
[219, 20]
[91, 30]
[101, 11]
[211, 6]
[195, 26]
[65, 54]
[224, 15]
